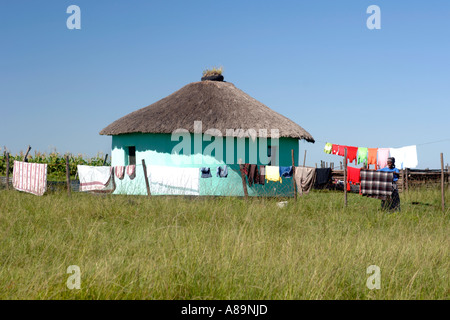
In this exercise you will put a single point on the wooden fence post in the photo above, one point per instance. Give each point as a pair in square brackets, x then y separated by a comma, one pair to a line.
[104, 161]
[345, 177]
[7, 171]
[244, 184]
[68, 175]
[406, 182]
[26, 154]
[293, 175]
[442, 183]
[146, 178]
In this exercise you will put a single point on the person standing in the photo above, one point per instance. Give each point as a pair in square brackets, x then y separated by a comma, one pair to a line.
[392, 202]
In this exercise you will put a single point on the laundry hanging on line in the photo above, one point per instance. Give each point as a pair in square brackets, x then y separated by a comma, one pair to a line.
[30, 177]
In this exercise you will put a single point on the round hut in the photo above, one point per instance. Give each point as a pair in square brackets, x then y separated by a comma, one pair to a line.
[205, 124]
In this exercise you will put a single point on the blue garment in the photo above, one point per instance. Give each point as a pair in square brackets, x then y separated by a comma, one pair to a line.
[222, 172]
[391, 170]
[286, 172]
[206, 172]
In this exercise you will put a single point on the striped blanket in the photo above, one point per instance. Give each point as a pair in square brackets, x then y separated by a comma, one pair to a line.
[30, 177]
[376, 183]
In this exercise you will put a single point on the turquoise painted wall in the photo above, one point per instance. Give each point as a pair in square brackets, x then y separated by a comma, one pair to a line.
[156, 149]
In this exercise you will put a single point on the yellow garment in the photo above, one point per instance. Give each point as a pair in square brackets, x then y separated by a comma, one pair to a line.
[273, 173]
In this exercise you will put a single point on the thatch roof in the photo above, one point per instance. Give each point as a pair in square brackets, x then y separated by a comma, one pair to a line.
[219, 105]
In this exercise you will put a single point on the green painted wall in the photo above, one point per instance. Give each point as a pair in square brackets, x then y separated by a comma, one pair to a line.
[156, 149]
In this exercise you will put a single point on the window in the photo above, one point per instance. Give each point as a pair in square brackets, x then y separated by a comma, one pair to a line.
[132, 155]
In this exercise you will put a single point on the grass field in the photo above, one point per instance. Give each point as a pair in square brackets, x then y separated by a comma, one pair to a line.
[131, 247]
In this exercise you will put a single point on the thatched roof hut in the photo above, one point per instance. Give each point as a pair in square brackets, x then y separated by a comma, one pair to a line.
[218, 104]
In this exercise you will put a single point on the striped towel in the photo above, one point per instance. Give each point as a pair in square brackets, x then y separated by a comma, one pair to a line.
[94, 178]
[376, 183]
[131, 171]
[120, 172]
[30, 177]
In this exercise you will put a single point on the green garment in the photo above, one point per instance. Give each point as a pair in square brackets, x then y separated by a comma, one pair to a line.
[363, 154]
[328, 147]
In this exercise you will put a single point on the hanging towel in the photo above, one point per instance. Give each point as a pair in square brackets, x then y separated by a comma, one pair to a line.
[376, 183]
[383, 154]
[372, 156]
[131, 171]
[410, 157]
[286, 172]
[94, 178]
[273, 174]
[206, 172]
[222, 172]
[362, 155]
[120, 172]
[351, 154]
[323, 176]
[30, 177]
[304, 179]
[328, 147]
[334, 149]
[166, 180]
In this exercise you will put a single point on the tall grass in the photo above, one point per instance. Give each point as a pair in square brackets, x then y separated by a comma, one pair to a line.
[131, 247]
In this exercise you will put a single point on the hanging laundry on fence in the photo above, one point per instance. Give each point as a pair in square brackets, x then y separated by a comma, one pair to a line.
[304, 179]
[362, 155]
[173, 180]
[353, 176]
[94, 178]
[405, 157]
[383, 154]
[334, 149]
[273, 174]
[262, 174]
[323, 176]
[120, 172]
[131, 171]
[30, 177]
[206, 172]
[286, 172]
[372, 156]
[222, 172]
[377, 184]
[351, 154]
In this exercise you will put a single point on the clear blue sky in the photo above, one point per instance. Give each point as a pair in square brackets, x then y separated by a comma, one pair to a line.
[315, 62]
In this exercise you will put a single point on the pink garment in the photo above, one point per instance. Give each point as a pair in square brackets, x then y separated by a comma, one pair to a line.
[30, 177]
[383, 154]
[131, 171]
[120, 172]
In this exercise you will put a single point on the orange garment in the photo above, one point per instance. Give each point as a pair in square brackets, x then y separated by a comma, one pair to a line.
[372, 157]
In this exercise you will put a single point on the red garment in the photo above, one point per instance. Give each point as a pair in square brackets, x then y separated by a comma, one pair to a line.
[353, 176]
[351, 154]
[334, 149]
[341, 150]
